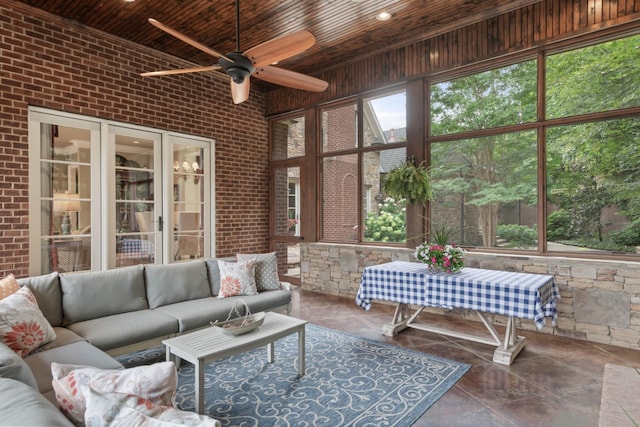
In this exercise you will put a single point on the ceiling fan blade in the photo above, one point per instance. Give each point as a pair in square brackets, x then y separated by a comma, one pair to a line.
[292, 79]
[280, 48]
[181, 71]
[177, 34]
[240, 91]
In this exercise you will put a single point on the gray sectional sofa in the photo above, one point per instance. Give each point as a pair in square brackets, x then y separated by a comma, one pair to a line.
[98, 315]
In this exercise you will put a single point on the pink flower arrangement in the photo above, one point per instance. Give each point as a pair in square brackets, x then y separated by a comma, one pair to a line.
[448, 258]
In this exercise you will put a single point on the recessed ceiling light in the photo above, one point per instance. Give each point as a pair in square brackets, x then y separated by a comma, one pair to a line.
[383, 16]
[129, 1]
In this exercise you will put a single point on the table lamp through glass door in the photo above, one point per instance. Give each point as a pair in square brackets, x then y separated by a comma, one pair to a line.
[65, 203]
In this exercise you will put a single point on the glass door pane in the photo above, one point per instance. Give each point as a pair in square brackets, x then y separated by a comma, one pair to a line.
[189, 213]
[287, 215]
[137, 237]
[65, 198]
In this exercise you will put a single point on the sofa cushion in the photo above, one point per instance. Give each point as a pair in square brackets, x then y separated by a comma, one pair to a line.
[78, 353]
[213, 273]
[110, 409]
[21, 405]
[23, 327]
[13, 366]
[8, 285]
[102, 293]
[124, 329]
[168, 284]
[46, 289]
[155, 382]
[64, 336]
[197, 313]
[266, 270]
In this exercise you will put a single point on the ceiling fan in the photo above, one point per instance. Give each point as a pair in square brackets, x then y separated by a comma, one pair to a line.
[239, 66]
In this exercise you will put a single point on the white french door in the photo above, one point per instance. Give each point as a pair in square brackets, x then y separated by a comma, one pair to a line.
[133, 196]
[189, 214]
[106, 194]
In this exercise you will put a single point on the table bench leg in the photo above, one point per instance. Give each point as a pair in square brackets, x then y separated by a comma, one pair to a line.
[199, 374]
[511, 346]
[399, 322]
[507, 348]
[301, 351]
[172, 357]
[271, 353]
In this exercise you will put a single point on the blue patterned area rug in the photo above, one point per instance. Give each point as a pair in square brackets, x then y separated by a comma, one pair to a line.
[349, 381]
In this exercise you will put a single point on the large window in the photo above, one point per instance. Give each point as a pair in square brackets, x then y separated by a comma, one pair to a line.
[593, 160]
[360, 145]
[486, 190]
[540, 155]
[485, 187]
[603, 77]
[490, 99]
[487, 183]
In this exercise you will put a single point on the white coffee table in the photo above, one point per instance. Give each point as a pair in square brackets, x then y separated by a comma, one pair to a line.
[210, 344]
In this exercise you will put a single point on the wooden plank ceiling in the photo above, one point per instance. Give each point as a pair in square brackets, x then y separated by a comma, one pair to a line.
[345, 30]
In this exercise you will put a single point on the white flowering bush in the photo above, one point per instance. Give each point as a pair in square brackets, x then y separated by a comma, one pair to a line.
[389, 224]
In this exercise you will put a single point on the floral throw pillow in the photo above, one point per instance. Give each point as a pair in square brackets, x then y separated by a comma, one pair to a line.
[120, 409]
[23, 327]
[266, 270]
[8, 286]
[237, 278]
[155, 382]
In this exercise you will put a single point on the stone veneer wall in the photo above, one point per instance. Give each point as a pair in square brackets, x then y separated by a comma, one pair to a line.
[600, 300]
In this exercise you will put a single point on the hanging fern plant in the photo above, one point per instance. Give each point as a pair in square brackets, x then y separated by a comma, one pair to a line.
[409, 182]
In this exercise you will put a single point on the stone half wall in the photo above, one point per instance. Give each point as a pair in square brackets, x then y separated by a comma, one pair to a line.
[600, 300]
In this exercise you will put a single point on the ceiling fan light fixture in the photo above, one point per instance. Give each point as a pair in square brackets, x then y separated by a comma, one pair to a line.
[237, 74]
[238, 70]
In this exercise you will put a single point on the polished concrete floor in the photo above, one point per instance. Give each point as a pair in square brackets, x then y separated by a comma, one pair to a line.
[555, 381]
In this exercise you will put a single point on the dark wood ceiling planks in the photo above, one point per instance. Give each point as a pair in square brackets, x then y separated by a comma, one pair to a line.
[345, 30]
[494, 39]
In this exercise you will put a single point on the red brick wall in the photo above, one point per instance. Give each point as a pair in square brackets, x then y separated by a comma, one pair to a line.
[48, 62]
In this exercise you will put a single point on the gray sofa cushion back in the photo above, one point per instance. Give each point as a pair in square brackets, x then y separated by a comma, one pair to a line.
[168, 284]
[213, 271]
[46, 289]
[102, 293]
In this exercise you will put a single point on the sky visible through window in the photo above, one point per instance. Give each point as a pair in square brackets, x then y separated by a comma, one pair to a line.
[391, 111]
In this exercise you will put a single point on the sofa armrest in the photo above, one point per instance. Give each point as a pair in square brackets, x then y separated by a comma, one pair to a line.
[21, 405]
[14, 367]
[286, 286]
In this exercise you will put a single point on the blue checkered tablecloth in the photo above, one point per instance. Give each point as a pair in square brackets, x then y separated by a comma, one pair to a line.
[524, 295]
[135, 248]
